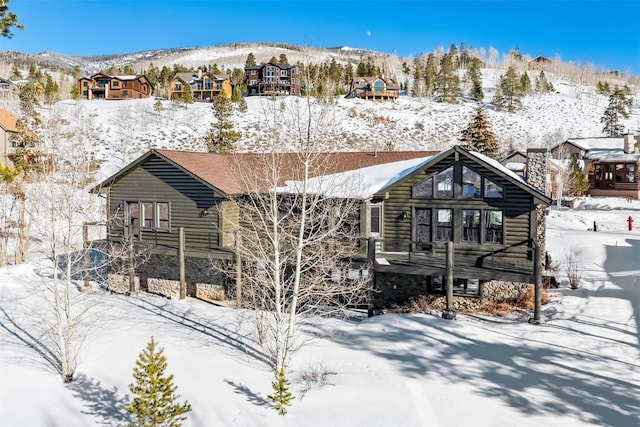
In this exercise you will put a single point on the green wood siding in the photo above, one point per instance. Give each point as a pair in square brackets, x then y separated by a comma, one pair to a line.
[517, 209]
[192, 205]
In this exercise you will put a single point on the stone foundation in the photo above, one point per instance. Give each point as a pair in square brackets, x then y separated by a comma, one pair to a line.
[399, 289]
[160, 274]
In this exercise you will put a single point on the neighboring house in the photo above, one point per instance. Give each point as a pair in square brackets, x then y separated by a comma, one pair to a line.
[10, 148]
[420, 201]
[204, 86]
[539, 63]
[104, 86]
[374, 88]
[8, 129]
[516, 162]
[273, 79]
[611, 164]
[8, 89]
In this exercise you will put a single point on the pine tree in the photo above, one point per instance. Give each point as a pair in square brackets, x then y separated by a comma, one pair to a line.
[620, 103]
[474, 77]
[478, 135]
[15, 73]
[7, 20]
[251, 60]
[430, 73]
[525, 84]
[542, 84]
[283, 59]
[154, 404]
[187, 95]
[578, 184]
[603, 88]
[418, 75]
[509, 92]
[447, 87]
[221, 138]
[282, 396]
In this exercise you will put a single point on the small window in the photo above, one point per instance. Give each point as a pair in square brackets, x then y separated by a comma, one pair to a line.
[471, 225]
[466, 286]
[85, 84]
[116, 83]
[125, 92]
[148, 215]
[376, 220]
[492, 190]
[423, 228]
[471, 183]
[85, 93]
[493, 230]
[444, 183]
[163, 216]
[444, 224]
[436, 284]
[630, 172]
[424, 189]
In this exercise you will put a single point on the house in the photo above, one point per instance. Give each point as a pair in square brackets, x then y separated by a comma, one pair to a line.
[516, 162]
[204, 86]
[611, 164]
[8, 130]
[104, 86]
[374, 88]
[415, 204]
[539, 63]
[272, 79]
[8, 89]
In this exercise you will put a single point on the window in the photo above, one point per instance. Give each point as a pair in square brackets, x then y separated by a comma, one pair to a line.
[376, 218]
[471, 183]
[126, 84]
[132, 220]
[116, 83]
[148, 220]
[178, 86]
[444, 224]
[424, 189]
[466, 286]
[125, 92]
[471, 225]
[85, 84]
[630, 172]
[444, 183]
[85, 93]
[493, 230]
[149, 215]
[163, 216]
[436, 284]
[423, 227]
[492, 190]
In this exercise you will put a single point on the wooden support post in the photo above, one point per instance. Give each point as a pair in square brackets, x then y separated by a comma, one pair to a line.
[132, 268]
[537, 277]
[183, 283]
[238, 270]
[371, 258]
[448, 313]
[85, 256]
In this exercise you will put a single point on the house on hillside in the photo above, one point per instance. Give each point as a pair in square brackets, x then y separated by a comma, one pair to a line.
[374, 88]
[611, 164]
[410, 209]
[104, 86]
[11, 145]
[8, 89]
[204, 86]
[272, 79]
[539, 63]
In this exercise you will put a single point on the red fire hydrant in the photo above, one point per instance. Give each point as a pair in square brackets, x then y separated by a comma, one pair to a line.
[630, 222]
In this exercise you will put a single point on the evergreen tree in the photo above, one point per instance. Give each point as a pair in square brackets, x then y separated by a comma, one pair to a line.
[620, 103]
[187, 95]
[215, 69]
[51, 90]
[418, 88]
[282, 396]
[542, 84]
[474, 77]
[154, 404]
[447, 88]
[128, 70]
[221, 138]
[251, 60]
[8, 20]
[603, 88]
[509, 91]
[525, 84]
[578, 184]
[283, 59]
[430, 73]
[273, 60]
[478, 135]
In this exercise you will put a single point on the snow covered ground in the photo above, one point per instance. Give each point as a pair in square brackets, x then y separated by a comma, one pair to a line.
[580, 368]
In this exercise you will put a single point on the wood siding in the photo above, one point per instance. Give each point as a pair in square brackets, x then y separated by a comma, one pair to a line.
[192, 205]
[517, 206]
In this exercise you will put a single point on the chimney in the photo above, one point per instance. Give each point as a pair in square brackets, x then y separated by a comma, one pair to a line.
[536, 168]
[199, 73]
[629, 143]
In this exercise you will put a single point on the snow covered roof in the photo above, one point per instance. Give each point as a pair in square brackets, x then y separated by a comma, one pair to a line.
[611, 155]
[515, 166]
[597, 142]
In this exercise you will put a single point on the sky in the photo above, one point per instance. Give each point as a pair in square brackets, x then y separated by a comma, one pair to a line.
[604, 34]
